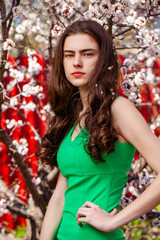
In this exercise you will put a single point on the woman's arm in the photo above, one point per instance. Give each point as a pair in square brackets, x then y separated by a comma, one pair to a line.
[54, 210]
[132, 127]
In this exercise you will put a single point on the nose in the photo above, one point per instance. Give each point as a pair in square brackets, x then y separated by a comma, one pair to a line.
[77, 61]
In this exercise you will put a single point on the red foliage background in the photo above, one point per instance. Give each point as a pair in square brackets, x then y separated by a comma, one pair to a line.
[6, 164]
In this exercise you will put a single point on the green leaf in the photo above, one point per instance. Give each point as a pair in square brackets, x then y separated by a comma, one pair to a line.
[20, 231]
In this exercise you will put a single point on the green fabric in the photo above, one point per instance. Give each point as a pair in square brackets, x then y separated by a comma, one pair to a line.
[100, 183]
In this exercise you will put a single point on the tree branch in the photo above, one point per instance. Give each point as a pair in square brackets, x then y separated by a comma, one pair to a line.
[10, 13]
[18, 209]
[3, 52]
[39, 201]
[118, 34]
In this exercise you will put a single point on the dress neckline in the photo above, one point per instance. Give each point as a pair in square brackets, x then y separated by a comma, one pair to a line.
[78, 134]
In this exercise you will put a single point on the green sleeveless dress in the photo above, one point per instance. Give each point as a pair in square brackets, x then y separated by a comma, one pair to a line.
[100, 183]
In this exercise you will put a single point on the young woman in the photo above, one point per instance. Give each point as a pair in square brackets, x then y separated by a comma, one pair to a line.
[92, 136]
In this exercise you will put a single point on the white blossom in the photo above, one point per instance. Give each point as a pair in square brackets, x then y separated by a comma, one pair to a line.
[150, 62]
[28, 90]
[36, 181]
[133, 1]
[16, 188]
[56, 31]
[33, 66]
[21, 29]
[8, 65]
[36, 29]
[41, 39]
[10, 123]
[119, 16]
[19, 37]
[156, 222]
[128, 87]
[47, 108]
[139, 22]
[94, 10]
[150, 76]
[156, 97]
[27, 24]
[139, 79]
[43, 118]
[158, 121]
[8, 45]
[134, 97]
[13, 102]
[142, 218]
[152, 127]
[4, 107]
[144, 178]
[67, 11]
[22, 146]
[30, 52]
[20, 123]
[28, 107]
[154, 51]
[133, 190]
[13, 123]
[139, 40]
[17, 11]
[3, 207]
[17, 75]
[125, 201]
[141, 56]
[129, 62]
[41, 96]
[107, 8]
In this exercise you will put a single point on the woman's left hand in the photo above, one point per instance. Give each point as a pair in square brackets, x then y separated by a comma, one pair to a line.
[95, 216]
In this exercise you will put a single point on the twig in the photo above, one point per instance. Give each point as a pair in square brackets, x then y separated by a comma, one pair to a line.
[118, 34]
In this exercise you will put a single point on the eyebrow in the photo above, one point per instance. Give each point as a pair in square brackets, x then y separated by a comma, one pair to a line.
[81, 51]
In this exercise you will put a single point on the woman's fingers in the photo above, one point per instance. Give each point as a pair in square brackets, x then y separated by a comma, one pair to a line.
[85, 209]
[86, 212]
[89, 204]
[82, 212]
[81, 215]
[92, 214]
[113, 212]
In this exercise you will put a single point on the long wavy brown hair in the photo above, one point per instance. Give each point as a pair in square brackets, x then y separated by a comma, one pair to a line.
[66, 103]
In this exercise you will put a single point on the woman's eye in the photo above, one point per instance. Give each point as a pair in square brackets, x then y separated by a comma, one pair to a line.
[68, 55]
[88, 54]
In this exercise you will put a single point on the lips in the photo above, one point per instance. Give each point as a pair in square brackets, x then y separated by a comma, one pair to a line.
[77, 74]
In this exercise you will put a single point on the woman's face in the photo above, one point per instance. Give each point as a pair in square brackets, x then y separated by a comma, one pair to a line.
[80, 56]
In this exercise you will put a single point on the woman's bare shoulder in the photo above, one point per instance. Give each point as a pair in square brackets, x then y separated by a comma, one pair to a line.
[122, 107]
[121, 101]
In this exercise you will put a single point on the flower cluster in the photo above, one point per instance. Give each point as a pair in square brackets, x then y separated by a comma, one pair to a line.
[13, 123]
[8, 45]
[57, 30]
[17, 11]
[22, 146]
[33, 66]
[67, 11]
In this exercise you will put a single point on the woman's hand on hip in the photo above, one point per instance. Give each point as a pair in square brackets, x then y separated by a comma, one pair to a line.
[92, 214]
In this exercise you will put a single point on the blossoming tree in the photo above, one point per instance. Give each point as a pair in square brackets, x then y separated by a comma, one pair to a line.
[28, 33]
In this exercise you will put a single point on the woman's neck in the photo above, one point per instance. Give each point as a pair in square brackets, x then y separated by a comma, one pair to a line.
[84, 99]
